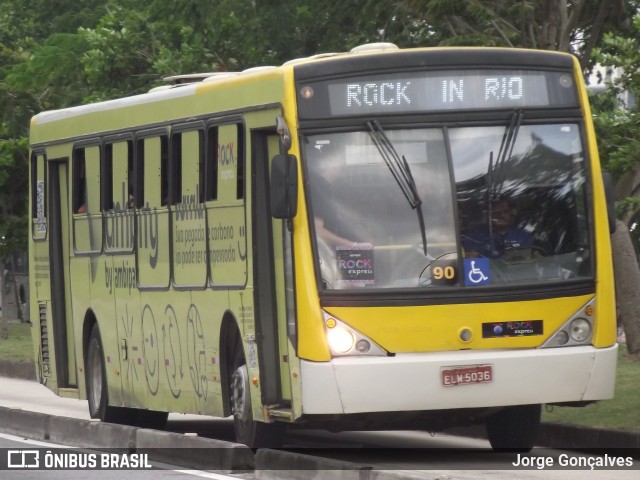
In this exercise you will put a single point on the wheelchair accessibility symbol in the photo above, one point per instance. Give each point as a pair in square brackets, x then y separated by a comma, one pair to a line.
[476, 271]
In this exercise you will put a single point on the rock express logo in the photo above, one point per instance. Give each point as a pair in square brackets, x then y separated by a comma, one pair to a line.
[523, 328]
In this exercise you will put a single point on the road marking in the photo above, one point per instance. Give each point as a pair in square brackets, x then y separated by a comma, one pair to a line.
[38, 443]
[213, 476]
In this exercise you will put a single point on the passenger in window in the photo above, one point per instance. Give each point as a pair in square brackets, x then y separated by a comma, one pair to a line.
[131, 203]
[81, 195]
[501, 236]
[326, 168]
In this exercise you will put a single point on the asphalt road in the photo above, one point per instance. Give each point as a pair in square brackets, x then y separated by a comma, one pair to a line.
[406, 455]
[20, 455]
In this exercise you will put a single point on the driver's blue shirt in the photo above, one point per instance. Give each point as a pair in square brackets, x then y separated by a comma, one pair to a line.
[479, 240]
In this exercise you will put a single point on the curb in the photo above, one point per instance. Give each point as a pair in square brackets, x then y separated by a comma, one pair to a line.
[283, 465]
[267, 464]
[166, 447]
[561, 436]
[25, 370]
[210, 454]
[194, 452]
[279, 465]
[569, 437]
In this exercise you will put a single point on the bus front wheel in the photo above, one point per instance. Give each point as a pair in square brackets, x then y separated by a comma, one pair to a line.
[96, 381]
[248, 431]
[514, 428]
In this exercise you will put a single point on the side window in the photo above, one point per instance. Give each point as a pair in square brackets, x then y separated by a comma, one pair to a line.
[85, 192]
[230, 162]
[38, 196]
[79, 182]
[188, 222]
[226, 212]
[240, 162]
[151, 197]
[211, 184]
[86, 180]
[188, 166]
[152, 173]
[119, 173]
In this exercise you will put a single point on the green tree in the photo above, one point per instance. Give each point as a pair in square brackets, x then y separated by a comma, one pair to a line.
[58, 53]
[35, 66]
[617, 122]
[14, 114]
[574, 26]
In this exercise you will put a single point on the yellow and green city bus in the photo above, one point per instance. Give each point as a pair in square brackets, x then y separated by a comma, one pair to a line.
[379, 239]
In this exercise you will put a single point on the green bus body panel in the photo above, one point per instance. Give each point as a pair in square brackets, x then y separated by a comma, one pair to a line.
[145, 277]
[134, 112]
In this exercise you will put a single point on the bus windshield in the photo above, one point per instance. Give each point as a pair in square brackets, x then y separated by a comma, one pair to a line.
[499, 205]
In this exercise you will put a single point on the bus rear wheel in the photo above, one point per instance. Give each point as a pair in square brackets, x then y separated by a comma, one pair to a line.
[249, 432]
[514, 429]
[96, 381]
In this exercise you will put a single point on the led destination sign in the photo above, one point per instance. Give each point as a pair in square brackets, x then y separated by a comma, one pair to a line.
[437, 91]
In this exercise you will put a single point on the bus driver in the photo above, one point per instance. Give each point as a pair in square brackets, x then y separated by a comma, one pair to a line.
[493, 241]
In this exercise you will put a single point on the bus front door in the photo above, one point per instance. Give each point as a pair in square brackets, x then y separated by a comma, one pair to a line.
[59, 241]
[271, 276]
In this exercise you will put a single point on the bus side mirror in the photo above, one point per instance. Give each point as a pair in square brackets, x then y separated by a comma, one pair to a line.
[284, 186]
[609, 196]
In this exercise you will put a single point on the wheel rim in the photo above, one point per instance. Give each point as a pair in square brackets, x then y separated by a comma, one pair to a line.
[240, 401]
[96, 379]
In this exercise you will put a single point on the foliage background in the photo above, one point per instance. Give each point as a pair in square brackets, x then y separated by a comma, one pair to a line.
[59, 53]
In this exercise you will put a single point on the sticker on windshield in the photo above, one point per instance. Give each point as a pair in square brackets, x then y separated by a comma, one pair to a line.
[444, 272]
[476, 271]
[355, 264]
[322, 144]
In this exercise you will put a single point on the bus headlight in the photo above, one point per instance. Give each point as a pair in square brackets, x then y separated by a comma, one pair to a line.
[340, 340]
[559, 339]
[344, 340]
[363, 346]
[580, 330]
[577, 330]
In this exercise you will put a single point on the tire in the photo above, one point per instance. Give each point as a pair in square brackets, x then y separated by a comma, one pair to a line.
[514, 429]
[96, 382]
[249, 432]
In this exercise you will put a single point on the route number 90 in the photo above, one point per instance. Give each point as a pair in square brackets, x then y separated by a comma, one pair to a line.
[444, 272]
[447, 272]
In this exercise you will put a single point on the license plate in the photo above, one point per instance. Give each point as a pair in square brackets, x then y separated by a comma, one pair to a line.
[453, 376]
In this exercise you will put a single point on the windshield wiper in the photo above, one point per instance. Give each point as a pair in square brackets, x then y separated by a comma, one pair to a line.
[496, 173]
[401, 172]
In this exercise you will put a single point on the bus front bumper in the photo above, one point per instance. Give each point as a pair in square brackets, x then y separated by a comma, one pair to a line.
[414, 382]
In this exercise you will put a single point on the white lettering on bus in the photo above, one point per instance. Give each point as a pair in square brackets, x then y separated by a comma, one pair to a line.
[452, 91]
[377, 94]
[503, 88]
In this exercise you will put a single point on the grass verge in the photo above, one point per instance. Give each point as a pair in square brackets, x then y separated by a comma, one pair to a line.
[622, 412]
[18, 346]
